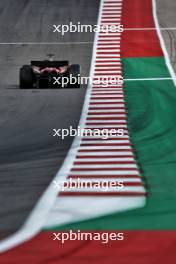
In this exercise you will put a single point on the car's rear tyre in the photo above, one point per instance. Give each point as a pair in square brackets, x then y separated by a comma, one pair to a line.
[26, 77]
[74, 74]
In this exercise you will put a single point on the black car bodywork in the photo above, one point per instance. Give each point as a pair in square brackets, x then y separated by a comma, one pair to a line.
[49, 74]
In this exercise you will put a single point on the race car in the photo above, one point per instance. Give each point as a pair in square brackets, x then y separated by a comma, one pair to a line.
[49, 74]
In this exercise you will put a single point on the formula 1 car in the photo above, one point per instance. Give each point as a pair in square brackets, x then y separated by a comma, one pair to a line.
[49, 74]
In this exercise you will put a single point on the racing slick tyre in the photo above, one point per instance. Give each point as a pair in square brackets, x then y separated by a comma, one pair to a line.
[74, 72]
[26, 77]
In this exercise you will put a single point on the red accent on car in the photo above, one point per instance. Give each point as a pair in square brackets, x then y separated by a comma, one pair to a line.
[50, 69]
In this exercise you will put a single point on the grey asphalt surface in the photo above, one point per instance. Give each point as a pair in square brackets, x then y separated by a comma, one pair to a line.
[166, 10]
[29, 155]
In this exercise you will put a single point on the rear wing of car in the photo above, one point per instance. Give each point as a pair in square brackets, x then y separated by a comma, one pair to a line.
[49, 63]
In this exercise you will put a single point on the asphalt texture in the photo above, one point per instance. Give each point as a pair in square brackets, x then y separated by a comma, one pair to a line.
[167, 19]
[29, 155]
